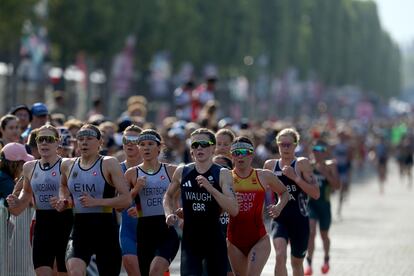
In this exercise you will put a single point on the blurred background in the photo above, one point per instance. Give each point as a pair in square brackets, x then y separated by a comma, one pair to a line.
[337, 56]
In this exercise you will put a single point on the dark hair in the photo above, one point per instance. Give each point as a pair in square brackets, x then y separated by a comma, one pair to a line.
[94, 128]
[31, 140]
[243, 139]
[228, 163]
[205, 131]
[14, 110]
[10, 167]
[6, 119]
[152, 132]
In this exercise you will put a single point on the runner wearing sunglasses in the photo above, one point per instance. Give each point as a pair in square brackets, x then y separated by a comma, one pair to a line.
[327, 177]
[93, 185]
[248, 243]
[157, 242]
[206, 189]
[292, 225]
[41, 180]
[129, 220]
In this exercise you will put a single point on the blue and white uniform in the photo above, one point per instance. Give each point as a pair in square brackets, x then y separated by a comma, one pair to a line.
[128, 229]
[154, 237]
[293, 222]
[95, 229]
[52, 228]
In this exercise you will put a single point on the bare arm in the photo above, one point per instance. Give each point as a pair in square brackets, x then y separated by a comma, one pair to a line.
[303, 177]
[269, 164]
[65, 199]
[19, 186]
[271, 180]
[226, 199]
[18, 204]
[113, 170]
[306, 180]
[332, 174]
[134, 183]
[171, 197]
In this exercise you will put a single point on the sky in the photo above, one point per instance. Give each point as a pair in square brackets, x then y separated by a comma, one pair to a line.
[397, 17]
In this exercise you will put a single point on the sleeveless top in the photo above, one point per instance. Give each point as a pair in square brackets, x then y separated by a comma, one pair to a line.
[45, 184]
[92, 182]
[127, 219]
[297, 205]
[324, 188]
[151, 195]
[201, 210]
[250, 196]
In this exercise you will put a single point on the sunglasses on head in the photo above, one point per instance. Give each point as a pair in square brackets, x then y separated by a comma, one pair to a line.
[286, 145]
[241, 152]
[319, 148]
[202, 144]
[130, 140]
[48, 139]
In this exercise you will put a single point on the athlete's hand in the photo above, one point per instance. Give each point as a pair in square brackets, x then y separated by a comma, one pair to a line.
[274, 210]
[12, 200]
[289, 172]
[323, 169]
[86, 200]
[132, 212]
[171, 219]
[203, 182]
[139, 184]
[180, 213]
[60, 204]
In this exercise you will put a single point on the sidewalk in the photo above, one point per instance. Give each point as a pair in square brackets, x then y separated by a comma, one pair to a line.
[375, 236]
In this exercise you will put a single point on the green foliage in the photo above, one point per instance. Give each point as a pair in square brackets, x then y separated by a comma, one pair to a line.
[337, 41]
[12, 15]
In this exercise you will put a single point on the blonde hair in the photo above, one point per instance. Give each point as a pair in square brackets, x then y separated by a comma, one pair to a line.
[289, 132]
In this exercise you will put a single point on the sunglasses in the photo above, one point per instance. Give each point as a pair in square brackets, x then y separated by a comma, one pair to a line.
[286, 145]
[319, 148]
[241, 152]
[130, 140]
[202, 144]
[47, 139]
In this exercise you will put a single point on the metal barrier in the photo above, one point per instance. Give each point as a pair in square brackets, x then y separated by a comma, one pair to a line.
[15, 249]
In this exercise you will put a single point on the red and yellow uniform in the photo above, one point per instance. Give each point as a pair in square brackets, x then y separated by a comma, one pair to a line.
[247, 228]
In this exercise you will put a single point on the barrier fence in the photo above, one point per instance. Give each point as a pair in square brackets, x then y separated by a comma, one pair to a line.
[15, 249]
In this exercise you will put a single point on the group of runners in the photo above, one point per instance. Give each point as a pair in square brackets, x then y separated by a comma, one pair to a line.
[220, 194]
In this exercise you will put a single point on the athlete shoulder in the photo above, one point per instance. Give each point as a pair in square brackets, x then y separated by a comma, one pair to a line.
[67, 163]
[170, 169]
[110, 162]
[269, 164]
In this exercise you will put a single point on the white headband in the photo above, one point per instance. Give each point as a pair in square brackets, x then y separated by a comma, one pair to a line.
[241, 145]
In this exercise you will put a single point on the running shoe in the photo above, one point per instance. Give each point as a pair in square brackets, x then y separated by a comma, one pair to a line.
[325, 268]
[308, 271]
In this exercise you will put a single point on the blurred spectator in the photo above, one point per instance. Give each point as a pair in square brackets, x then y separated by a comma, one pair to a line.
[97, 108]
[10, 130]
[202, 94]
[24, 114]
[183, 99]
[137, 109]
[57, 119]
[73, 126]
[59, 104]
[12, 158]
[40, 114]
[31, 145]
[66, 142]
[208, 115]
